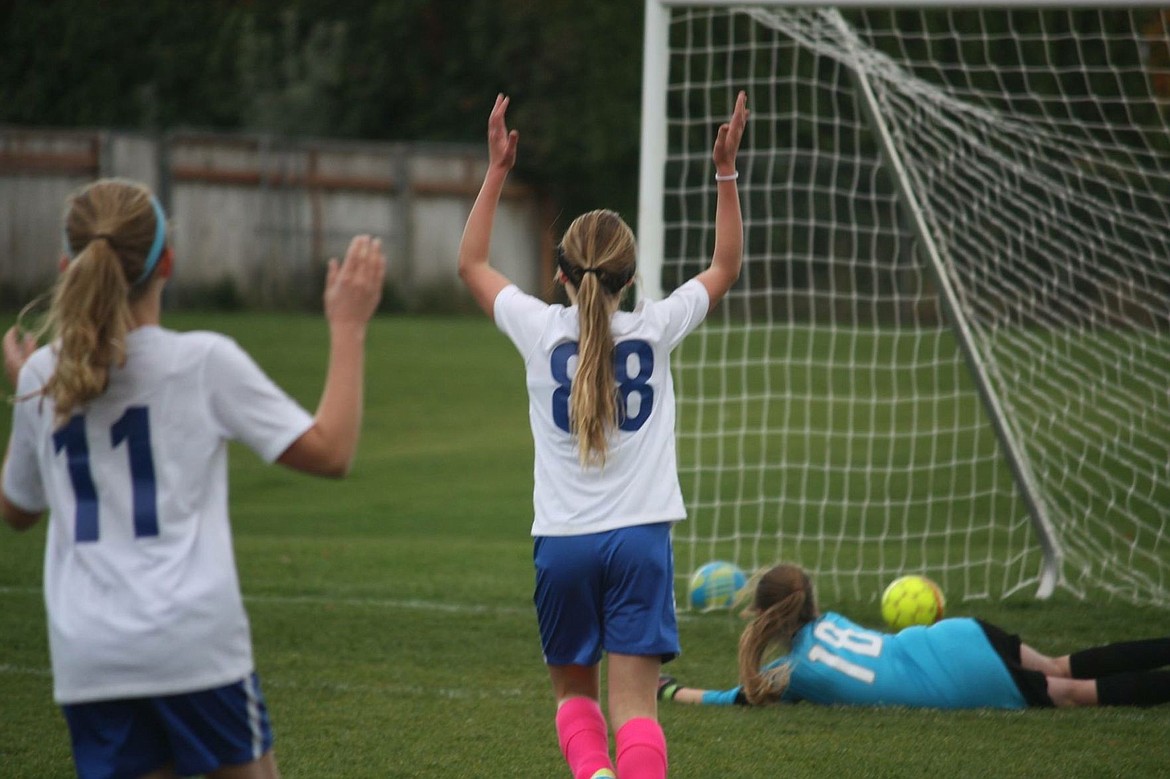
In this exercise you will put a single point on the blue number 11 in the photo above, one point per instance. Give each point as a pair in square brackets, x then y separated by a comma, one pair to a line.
[133, 429]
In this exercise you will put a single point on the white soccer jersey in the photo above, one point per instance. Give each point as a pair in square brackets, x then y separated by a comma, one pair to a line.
[140, 579]
[639, 482]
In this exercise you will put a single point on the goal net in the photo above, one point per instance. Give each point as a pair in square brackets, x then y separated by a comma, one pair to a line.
[948, 351]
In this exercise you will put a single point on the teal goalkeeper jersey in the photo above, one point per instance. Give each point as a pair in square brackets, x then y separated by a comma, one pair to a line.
[949, 665]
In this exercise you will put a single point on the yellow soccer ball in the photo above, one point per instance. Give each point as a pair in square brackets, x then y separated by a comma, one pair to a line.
[912, 600]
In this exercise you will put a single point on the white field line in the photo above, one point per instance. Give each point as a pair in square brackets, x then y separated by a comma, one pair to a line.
[403, 690]
[20, 670]
[410, 604]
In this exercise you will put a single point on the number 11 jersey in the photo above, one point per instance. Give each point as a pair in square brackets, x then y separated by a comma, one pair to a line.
[140, 582]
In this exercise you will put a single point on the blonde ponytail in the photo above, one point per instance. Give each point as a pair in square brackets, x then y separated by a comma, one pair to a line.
[115, 231]
[89, 317]
[593, 400]
[597, 256]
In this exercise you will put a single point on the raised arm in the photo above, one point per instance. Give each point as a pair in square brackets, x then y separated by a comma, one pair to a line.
[352, 292]
[728, 255]
[484, 281]
[18, 347]
[16, 517]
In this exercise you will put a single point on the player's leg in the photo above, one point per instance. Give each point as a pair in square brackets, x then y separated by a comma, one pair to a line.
[640, 633]
[162, 773]
[1067, 693]
[632, 682]
[1123, 672]
[1138, 688]
[263, 768]
[1122, 668]
[1098, 661]
[1033, 660]
[568, 603]
[572, 681]
[582, 731]
[1119, 657]
[633, 706]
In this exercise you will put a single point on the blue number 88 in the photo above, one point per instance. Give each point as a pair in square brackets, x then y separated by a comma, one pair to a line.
[628, 385]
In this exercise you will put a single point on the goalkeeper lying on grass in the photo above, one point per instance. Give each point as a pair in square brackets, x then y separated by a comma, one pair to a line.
[957, 663]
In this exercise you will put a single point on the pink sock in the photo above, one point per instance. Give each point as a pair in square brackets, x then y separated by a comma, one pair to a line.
[641, 750]
[584, 737]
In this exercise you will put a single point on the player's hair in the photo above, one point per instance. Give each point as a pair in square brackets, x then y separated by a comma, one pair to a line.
[113, 233]
[598, 255]
[784, 602]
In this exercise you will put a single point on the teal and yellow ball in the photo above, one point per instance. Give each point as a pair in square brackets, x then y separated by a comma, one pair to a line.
[715, 585]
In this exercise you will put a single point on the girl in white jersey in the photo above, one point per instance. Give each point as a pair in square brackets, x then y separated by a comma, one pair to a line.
[120, 432]
[606, 491]
[956, 663]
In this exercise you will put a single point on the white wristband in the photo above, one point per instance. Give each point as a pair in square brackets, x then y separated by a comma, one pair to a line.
[729, 177]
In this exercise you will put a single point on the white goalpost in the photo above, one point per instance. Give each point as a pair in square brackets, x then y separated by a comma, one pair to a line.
[949, 350]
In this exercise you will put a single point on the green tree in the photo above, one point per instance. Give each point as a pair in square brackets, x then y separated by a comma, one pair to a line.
[405, 70]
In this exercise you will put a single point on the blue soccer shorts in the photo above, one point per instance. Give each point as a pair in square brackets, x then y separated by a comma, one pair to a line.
[610, 591]
[195, 732]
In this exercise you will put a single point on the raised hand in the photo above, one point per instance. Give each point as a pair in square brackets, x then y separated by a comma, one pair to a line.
[501, 142]
[18, 347]
[729, 136]
[354, 288]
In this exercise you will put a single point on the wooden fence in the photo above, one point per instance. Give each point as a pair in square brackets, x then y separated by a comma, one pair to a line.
[255, 218]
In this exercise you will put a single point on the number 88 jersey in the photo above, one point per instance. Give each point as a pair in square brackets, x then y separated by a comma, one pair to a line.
[639, 481]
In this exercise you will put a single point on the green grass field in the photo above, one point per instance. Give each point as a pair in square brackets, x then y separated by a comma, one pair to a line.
[393, 625]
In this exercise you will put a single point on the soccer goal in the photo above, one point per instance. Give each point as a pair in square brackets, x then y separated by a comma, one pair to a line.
[949, 350]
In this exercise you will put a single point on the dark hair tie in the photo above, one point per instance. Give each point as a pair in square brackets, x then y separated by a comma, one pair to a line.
[613, 284]
[107, 236]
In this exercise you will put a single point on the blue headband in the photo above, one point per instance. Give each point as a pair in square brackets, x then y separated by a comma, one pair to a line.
[160, 240]
[156, 248]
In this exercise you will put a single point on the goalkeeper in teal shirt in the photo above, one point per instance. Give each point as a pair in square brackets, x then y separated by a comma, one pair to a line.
[957, 663]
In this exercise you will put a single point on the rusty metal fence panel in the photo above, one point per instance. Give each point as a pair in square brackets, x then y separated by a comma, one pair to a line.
[257, 217]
